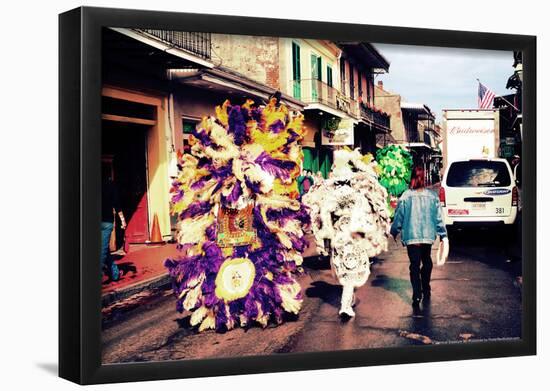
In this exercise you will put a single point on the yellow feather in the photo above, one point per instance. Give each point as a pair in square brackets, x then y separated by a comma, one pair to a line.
[221, 113]
[208, 323]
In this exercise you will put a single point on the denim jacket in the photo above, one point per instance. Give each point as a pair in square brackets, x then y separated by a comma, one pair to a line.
[418, 217]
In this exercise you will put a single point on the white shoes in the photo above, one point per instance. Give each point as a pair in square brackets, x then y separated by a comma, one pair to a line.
[347, 311]
[348, 300]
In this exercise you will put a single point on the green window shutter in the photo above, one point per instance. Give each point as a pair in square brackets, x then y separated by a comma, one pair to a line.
[315, 71]
[325, 161]
[314, 64]
[295, 61]
[308, 158]
[296, 71]
[315, 165]
[329, 76]
[319, 69]
[311, 159]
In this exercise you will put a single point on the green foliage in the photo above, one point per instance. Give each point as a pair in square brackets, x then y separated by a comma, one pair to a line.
[395, 168]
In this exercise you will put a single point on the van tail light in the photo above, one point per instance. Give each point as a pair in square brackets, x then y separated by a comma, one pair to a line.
[442, 196]
[515, 196]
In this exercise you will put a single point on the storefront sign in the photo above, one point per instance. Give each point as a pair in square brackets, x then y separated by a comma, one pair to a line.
[343, 135]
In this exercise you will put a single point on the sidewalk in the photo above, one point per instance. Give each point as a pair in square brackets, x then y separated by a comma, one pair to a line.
[141, 268]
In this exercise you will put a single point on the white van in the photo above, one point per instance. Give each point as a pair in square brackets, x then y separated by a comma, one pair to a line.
[479, 192]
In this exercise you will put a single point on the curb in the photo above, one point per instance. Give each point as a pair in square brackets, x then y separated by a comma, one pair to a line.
[158, 282]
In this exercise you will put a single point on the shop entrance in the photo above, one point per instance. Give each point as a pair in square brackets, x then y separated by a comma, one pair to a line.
[124, 157]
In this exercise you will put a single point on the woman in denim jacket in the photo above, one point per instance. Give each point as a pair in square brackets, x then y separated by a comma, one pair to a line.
[418, 219]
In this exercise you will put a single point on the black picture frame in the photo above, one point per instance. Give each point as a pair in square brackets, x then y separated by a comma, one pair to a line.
[79, 201]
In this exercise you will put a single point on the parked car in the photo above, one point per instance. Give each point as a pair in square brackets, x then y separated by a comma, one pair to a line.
[479, 192]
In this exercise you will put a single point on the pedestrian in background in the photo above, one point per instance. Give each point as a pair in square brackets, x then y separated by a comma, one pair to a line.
[110, 206]
[419, 220]
[308, 182]
[318, 177]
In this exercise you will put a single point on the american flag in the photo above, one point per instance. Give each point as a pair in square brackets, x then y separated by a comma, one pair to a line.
[484, 97]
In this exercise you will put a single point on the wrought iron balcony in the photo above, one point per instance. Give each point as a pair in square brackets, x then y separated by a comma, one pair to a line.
[315, 91]
[428, 140]
[200, 44]
[413, 136]
[377, 118]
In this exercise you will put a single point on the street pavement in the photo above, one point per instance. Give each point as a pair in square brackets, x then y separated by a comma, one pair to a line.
[476, 296]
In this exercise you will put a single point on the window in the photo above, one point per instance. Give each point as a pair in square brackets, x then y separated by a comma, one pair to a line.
[359, 85]
[478, 173]
[296, 71]
[370, 87]
[188, 126]
[351, 83]
[316, 76]
[343, 76]
[316, 67]
[329, 75]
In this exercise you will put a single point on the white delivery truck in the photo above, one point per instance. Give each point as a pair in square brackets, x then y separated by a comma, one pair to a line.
[478, 187]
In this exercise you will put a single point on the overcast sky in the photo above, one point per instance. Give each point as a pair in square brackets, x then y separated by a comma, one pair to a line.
[444, 78]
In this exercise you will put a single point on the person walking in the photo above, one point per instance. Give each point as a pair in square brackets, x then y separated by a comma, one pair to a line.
[109, 206]
[419, 220]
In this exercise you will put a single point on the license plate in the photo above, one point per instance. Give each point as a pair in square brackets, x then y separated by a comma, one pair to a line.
[479, 205]
[458, 212]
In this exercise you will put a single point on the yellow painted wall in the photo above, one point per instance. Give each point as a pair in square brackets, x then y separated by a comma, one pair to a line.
[157, 171]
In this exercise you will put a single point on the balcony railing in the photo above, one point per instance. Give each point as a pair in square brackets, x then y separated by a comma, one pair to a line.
[199, 44]
[316, 91]
[378, 118]
[428, 140]
[413, 136]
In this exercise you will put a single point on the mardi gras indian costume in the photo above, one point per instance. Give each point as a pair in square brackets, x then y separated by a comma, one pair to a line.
[240, 224]
[350, 209]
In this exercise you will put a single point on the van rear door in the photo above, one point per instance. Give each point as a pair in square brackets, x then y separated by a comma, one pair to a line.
[479, 188]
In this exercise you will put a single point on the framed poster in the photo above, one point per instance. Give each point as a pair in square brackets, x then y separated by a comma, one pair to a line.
[212, 223]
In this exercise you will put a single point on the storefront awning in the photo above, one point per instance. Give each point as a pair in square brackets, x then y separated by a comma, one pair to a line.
[232, 84]
[418, 146]
[327, 109]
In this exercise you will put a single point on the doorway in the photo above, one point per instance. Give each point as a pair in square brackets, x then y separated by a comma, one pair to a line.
[124, 155]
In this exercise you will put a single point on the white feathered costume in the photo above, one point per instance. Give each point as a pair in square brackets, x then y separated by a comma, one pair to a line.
[350, 210]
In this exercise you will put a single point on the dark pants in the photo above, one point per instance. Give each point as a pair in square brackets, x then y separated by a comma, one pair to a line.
[420, 276]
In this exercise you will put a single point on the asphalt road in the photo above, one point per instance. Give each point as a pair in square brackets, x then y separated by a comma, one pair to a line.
[476, 296]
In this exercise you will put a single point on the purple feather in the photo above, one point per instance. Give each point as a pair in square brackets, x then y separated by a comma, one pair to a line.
[203, 137]
[211, 232]
[276, 167]
[222, 172]
[253, 186]
[201, 182]
[177, 196]
[237, 125]
[204, 161]
[195, 209]
[277, 126]
[236, 192]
